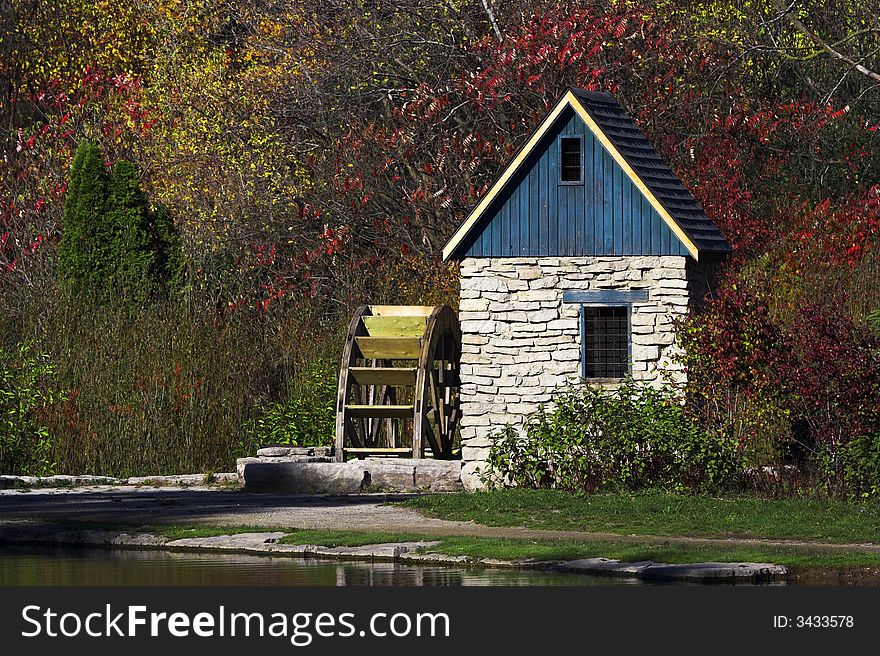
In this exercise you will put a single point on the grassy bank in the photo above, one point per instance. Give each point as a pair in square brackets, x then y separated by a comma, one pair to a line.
[662, 514]
[626, 549]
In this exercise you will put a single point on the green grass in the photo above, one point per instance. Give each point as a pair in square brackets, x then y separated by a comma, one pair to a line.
[183, 532]
[346, 538]
[625, 548]
[661, 514]
[555, 550]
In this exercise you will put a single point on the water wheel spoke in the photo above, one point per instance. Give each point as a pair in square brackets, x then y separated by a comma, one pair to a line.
[432, 440]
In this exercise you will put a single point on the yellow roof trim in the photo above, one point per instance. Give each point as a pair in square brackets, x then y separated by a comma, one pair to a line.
[508, 172]
[568, 99]
[636, 180]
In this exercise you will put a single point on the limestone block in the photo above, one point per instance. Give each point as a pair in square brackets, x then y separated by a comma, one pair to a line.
[562, 324]
[394, 474]
[512, 343]
[295, 451]
[438, 475]
[517, 261]
[547, 282]
[487, 284]
[474, 305]
[670, 274]
[542, 316]
[566, 354]
[483, 370]
[511, 316]
[476, 420]
[479, 381]
[521, 306]
[642, 318]
[482, 327]
[632, 274]
[524, 368]
[659, 338]
[645, 352]
[558, 341]
[537, 398]
[474, 264]
[537, 295]
[530, 273]
[473, 453]
[482, 441]
[278, 475]
[522, 408]
[470, 476]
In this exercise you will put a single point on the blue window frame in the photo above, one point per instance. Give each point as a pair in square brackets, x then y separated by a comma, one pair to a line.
[571, 159]
[606, 330]
[606, 343]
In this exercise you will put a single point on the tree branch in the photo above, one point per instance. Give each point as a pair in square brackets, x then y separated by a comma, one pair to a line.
[816, 39]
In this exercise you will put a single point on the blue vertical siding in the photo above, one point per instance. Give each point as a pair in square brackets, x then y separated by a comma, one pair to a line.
[606, 215]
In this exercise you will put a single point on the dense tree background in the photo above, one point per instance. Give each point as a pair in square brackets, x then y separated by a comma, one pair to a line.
[304, 158]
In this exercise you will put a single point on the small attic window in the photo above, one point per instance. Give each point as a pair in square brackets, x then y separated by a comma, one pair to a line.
[571, 160]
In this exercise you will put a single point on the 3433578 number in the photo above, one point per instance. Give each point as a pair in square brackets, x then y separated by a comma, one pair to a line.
[824, 621]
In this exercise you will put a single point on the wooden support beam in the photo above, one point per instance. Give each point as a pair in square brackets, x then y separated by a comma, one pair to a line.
[395, 326]
[379, 450]
[380, 411]
[383, 375]
[390, 348]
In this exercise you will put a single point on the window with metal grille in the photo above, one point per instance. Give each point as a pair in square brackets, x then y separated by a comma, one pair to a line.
[570, 160]
[605, 333]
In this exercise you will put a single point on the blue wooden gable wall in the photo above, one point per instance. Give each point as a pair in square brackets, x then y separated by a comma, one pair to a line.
[606, 215]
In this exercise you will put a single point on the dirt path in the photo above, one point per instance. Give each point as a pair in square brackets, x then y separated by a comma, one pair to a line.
[134, 507]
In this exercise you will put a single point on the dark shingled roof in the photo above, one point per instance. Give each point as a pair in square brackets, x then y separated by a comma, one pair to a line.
[654, 172]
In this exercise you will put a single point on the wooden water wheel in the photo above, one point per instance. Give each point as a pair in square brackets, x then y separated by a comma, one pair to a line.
[399, 383]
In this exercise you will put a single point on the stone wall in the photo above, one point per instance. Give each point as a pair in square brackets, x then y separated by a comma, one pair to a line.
[520, 341]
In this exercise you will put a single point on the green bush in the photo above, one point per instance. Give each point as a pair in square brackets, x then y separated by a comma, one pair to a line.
[27, 387]
[83, 252]
[631, 437]
[307, 417]
[113, 245]
[860, 461]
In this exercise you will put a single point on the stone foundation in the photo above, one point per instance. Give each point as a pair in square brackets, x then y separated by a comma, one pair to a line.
[520, 342]
[301, 470]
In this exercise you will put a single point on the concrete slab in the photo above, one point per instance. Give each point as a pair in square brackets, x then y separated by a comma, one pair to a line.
[234, 541]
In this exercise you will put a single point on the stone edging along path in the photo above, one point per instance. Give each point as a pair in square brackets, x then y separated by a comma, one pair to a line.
[69, 481]
[413, 553]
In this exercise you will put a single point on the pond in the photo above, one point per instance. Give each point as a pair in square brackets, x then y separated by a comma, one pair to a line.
[37, 566]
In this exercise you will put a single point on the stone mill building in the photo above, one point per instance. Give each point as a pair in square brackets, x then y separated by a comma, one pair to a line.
[575, 264]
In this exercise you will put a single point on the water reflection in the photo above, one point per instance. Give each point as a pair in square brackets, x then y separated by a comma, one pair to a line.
[20, 566]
